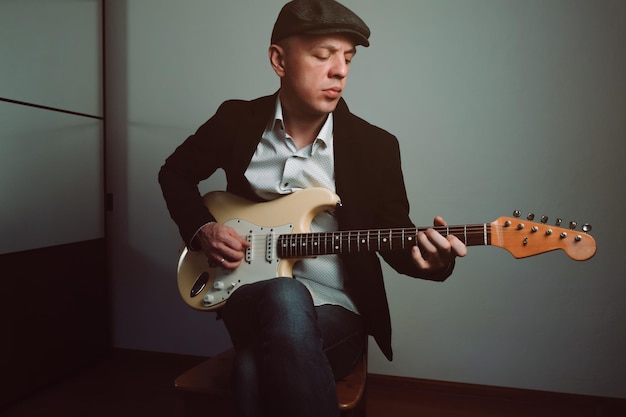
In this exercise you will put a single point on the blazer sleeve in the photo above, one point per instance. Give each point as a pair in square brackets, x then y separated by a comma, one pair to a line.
[223, 142]
[393, 211]
[196, 159]
[371, 184]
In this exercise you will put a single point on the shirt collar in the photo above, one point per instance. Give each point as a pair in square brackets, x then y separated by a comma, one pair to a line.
[325, 135]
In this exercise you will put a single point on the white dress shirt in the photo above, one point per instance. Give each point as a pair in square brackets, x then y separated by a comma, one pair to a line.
[277, 168]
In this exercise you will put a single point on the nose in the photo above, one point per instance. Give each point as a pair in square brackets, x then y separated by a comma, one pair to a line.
[339, 68]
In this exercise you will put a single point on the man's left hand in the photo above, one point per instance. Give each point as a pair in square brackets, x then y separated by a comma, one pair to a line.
[435, 254]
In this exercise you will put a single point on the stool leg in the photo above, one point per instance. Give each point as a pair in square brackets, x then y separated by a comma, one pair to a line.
[360, 410]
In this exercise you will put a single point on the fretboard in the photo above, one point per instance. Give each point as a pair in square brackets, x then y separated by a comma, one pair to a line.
[379, 240]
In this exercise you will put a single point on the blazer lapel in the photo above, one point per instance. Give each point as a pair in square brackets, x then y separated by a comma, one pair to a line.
[345, 146]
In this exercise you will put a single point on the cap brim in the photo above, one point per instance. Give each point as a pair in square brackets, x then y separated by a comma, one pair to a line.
[357, 37]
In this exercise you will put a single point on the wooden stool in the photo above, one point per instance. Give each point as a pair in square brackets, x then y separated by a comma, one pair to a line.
[206, 387]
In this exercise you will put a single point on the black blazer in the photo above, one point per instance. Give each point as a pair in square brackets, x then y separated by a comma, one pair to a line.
[368, 179]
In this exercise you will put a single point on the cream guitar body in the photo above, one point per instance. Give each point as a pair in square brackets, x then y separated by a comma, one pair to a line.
[206, 288]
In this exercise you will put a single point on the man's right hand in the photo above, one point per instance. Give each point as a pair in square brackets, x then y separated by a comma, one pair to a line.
[222, 245]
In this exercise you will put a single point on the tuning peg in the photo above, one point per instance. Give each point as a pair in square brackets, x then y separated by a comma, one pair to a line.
[572, 225]
[530, 216]
[558, 222]
[517, 213]
[586, 228]
[544, 219]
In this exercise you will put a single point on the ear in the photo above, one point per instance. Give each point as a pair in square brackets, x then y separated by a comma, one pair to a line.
[277, 59]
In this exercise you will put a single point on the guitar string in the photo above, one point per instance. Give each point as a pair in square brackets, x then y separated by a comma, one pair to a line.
[322, 243]
[376, 234]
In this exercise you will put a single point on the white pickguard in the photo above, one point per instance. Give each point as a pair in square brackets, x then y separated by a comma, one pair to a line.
[261, 263]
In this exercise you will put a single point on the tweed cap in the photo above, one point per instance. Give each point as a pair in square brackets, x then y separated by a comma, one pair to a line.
[319, 17]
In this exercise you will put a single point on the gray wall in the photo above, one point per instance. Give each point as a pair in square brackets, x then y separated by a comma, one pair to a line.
[498, 105]
[50, 163]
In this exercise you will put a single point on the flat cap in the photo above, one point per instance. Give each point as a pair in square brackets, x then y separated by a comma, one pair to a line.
[319, 17]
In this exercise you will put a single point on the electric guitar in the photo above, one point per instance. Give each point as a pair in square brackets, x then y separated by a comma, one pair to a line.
[279, 235]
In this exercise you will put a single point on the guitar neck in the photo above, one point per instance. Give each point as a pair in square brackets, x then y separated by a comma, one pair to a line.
[378, 240]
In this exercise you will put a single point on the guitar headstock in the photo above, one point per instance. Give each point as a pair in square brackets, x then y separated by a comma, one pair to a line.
[525, 238]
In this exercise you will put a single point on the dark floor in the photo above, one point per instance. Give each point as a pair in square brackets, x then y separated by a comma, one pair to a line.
[129, 383]
[137, 384]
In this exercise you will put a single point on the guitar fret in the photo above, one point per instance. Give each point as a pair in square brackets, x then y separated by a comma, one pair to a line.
[317, 243]
[294, 246]
[340, 241]
[326, 243]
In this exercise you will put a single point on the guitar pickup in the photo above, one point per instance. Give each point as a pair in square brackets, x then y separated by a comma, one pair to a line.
[249, 253]
[269, 246]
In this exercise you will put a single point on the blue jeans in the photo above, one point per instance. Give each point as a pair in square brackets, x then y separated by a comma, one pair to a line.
[289, 352]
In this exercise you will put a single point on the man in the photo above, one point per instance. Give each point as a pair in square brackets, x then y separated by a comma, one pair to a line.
[294, 337]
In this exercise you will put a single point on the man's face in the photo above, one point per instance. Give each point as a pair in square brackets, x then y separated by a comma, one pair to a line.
[315, 70]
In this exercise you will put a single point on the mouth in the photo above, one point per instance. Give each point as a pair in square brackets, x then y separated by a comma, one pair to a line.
[333, 92]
